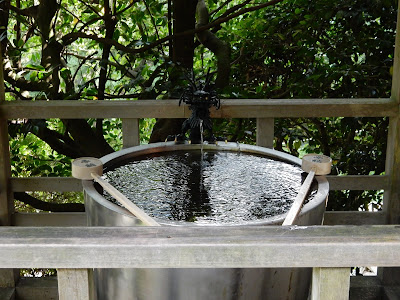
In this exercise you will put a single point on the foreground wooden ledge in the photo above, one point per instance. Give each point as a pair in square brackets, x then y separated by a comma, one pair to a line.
[186, 247]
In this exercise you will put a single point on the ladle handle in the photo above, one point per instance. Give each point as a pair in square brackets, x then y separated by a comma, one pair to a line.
[298, 202]
[136, 211]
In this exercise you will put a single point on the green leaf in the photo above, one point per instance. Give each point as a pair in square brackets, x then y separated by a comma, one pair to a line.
[65, 73]
[33, 76]
[35, 67]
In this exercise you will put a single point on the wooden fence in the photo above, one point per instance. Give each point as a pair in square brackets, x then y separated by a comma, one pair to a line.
[330, 251]
[263, 110]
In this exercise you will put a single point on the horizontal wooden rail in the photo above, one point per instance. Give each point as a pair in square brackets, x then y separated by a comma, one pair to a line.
[240, 108]
[358, 182]
[46, 184]
[69, 184]
[188, 247]
[355, 218]
[56, 219]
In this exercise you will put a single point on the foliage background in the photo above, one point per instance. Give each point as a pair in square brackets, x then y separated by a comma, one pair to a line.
[93, 50]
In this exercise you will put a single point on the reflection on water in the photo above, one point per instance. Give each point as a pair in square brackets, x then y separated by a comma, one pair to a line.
[208, 188]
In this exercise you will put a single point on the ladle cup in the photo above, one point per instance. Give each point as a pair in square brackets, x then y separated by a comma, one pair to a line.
[87, 168]
[313, 164]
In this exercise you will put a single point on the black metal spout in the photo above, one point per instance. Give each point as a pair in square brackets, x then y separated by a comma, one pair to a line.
[200, 99]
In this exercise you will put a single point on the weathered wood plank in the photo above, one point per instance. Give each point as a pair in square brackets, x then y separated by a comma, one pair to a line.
[354, 218]
[186, 247]
[68, 219]
[7, 293]
[391, 203]
[365, 288]
[40, 288]
[330, 284]
[130, 132]
[73, 284]
[93, 109]
[358, 182]
[7, 276]
[243, 108]
[391, 199]
[6, 203]
[391, 293]
[47, 184]
[265, 132]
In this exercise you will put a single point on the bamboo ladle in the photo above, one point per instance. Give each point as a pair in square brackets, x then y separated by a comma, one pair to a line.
[313, 164]
[88, 168]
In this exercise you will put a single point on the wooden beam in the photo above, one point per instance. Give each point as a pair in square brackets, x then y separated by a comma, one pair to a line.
[6, 203]
[7, 293]
[391, 293]
[365, 288]
[358, 182]
[265, 132]
[354, 218]
[40, 288]
[330, 284]
[391, 202]
[73, 284]
[67, 219]
[392, 197]
[244, 108]
[47, 184]
[130, 132]
[200, 247]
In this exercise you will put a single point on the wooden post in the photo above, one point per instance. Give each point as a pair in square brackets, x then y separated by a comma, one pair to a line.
[130, 132]
[265, 132]
[74, 284]
[391, 199]
[330, 284]
[8, 277]
[6, 203]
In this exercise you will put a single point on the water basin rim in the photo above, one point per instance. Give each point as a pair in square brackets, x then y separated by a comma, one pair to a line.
[129, 153]
[222, 146]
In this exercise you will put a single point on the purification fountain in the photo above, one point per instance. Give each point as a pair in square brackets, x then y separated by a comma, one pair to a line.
[212, 184]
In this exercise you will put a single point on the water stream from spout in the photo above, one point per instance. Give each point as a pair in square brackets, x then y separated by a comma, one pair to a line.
[201, 186]
[201, 134]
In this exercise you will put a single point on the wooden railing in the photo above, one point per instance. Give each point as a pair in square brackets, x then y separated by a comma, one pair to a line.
[263, 110]
[330, 251]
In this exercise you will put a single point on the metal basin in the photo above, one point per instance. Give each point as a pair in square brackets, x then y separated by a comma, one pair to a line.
[196, 284]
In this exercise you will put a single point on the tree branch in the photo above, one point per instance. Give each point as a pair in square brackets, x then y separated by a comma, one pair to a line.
[48, 206]
[71, 37]
[220, 49]
[24, 84]
[27, 12]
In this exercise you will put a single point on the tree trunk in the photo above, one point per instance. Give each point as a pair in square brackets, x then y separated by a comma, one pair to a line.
[184, 16]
